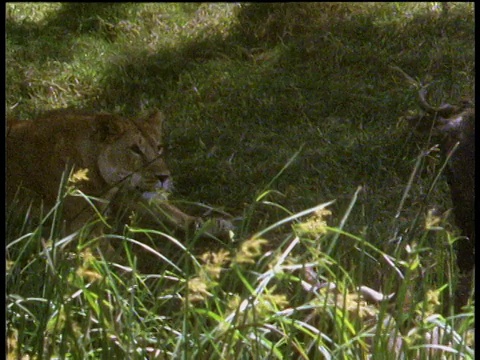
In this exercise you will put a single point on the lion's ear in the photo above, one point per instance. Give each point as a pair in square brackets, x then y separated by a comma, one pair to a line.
[109, 127]
[156, 119]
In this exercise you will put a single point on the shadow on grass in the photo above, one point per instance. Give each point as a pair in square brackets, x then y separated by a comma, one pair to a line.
[323, 49]
[286, 74]
[324, 55]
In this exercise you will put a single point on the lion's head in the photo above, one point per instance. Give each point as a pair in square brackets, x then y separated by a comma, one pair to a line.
[131, 153]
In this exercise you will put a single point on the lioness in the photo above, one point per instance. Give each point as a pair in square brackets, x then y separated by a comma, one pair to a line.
[124, 158]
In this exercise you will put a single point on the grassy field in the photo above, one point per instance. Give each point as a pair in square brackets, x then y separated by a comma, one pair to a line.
[271, 109]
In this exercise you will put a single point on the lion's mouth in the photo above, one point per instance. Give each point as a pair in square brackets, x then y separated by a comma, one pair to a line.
[163, 185]
[149, 195]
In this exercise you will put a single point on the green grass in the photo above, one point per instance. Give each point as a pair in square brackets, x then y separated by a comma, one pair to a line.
[271, 109]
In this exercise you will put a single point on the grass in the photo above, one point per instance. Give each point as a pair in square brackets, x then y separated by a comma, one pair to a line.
[271, 109]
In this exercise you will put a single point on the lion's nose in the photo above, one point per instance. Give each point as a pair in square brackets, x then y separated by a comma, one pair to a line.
[164, 180]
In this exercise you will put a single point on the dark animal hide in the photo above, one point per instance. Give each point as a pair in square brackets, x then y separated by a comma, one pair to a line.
[455, 127]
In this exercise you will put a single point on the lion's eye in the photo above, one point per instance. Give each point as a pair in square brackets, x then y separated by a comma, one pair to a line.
[136, 149]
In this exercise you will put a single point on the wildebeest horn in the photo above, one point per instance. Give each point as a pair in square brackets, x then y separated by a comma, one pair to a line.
[444, 110]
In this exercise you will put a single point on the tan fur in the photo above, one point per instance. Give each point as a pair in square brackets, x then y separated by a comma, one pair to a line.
[123, 156]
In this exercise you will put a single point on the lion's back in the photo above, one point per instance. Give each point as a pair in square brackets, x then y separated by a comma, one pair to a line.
[37, 151]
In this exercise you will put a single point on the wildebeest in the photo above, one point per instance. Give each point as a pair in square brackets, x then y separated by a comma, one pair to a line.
[455, 127]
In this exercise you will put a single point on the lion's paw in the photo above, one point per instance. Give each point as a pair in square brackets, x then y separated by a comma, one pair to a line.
[217, 227]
